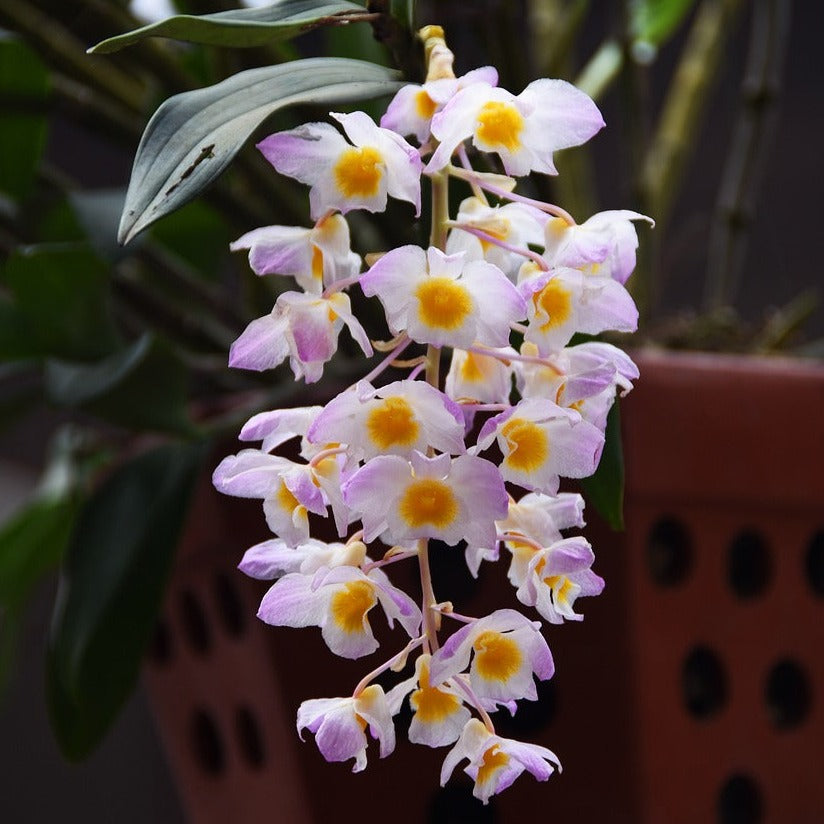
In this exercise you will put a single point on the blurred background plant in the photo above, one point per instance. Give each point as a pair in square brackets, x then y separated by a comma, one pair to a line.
[113, 359]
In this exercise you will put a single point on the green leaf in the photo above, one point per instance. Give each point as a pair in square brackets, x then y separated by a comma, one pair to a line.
[652, 22]
[199, 236]
[97, 211]
[142, 386]
[404, 12]
[238, 27]
[59, 304]
[32, 541]
[110, 590]
[605, 489]
[24, 88]
[193, 136]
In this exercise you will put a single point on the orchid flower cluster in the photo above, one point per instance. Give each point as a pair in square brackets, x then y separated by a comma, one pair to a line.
[473, 460]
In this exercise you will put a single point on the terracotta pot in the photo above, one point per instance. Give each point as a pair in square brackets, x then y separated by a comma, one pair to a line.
[689, 693]
[725, 552]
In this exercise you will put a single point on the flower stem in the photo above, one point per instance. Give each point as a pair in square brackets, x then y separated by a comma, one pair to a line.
[388, 360]
[369, 677]
[475, 701]
[480, 180]
[437, 238]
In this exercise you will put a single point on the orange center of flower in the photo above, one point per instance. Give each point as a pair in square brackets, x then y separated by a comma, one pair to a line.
[392, 423]
[317, 263]
[443, 303]
[358, 172]
[497, 658]
[350, 604]
[424, 105]
[286, 499]
[471, 370]
[528, 445]
[493, 761]
[561, 586]
[428, 501]
[432, 705]
[500, 124]
[555, 301]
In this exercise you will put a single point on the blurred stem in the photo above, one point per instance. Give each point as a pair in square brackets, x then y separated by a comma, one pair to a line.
[65, 51]
[686, 101]
[554, 26]
[602, 69]
[174, 318]
[749, 147]
[677, 130]
[90, 108]
[152, 54]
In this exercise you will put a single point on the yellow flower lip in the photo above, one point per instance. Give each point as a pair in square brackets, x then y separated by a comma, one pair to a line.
[350, 604]
[429, 501]
[528, 445]
[443, 303]
[497, 658]
[359, 171]
[500, 125]
[555, 301]
[392, 423]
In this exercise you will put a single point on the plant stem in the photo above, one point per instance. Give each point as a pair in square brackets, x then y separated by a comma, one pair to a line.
[437, 238]
[747, 154]
[677, 128]
[66, 51]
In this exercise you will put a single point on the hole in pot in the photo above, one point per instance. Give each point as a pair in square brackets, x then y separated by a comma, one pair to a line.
[748, 564]
[195, 625]
[160, 648]
[787, 694]
[229, 604]
[703, 683]
[249, 736]
[455, 804]
[814, 564]
[669, 552]
[739, 801]
[207, 745]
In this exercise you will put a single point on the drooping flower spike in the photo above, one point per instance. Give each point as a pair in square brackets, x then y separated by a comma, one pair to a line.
[345, 176]
[400, 461]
